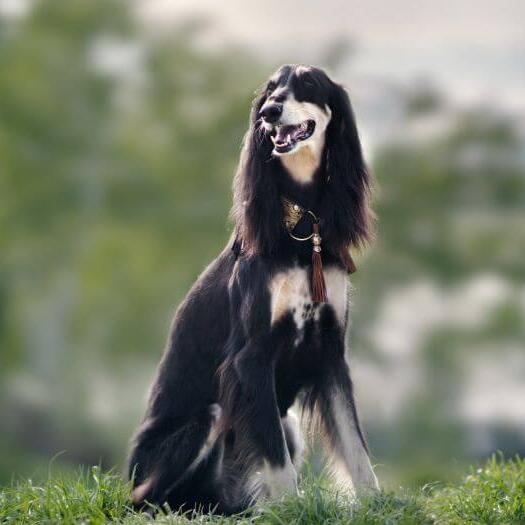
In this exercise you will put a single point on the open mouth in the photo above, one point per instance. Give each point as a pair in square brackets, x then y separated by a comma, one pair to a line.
[287, 136]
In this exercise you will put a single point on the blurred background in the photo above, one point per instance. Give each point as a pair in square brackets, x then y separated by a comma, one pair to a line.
[120, 129]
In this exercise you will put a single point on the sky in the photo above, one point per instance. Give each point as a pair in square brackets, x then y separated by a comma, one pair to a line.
[471, 49]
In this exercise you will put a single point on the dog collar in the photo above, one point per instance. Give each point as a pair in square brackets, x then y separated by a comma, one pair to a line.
[293, 213]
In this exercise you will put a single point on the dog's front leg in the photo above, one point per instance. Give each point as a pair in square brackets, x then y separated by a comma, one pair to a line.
[247, 385]
[338, 415]
[257, 423]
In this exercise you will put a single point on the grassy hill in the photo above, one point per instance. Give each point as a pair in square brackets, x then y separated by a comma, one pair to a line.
[492, 494]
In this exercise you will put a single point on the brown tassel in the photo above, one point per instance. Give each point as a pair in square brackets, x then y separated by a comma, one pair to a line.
[318, 285]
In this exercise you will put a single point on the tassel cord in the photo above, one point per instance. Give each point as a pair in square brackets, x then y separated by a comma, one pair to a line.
[318, 283]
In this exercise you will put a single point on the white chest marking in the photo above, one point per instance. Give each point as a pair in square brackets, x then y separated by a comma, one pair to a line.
[290, 292]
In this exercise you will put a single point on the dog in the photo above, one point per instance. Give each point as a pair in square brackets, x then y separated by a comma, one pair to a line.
[264, 325]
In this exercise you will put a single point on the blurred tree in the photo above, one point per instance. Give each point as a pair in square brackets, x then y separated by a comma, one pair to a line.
[116, 156]
[450, 208]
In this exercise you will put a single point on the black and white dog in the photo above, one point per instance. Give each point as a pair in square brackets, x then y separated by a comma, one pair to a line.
[264, 326]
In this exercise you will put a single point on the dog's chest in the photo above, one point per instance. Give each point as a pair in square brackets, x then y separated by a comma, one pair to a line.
[290, 293]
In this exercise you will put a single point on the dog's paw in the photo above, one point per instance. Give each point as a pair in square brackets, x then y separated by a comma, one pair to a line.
[281, 481]
[366, 482]
[273, 482]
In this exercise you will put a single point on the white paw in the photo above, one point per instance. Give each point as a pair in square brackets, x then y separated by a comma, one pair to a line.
[365, 480]
[279, 481]
[359, 480]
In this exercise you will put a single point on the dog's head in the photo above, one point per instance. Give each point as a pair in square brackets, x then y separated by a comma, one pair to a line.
[301, 107]
[295, 108]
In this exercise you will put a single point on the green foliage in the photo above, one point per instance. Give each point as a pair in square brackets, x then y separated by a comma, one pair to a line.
[492, 494]
[93, 497]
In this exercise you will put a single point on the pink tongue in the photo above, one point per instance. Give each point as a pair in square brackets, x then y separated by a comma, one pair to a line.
[283, 132]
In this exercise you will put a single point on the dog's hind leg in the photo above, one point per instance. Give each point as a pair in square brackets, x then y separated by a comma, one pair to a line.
[169, 460]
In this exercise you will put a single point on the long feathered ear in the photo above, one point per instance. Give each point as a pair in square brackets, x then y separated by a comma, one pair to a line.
[346, 213]
[257, 209]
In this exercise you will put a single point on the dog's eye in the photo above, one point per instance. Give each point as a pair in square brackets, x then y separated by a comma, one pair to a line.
[307, 81]
[271, 87]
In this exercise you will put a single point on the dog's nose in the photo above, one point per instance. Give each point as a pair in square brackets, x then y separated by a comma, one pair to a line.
[271, 112]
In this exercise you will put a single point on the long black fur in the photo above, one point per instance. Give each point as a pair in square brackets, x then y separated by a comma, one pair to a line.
[222, 348]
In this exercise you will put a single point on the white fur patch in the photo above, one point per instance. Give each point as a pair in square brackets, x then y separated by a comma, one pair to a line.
[290, 292]
[299, 70]
[336, 281]
[305, 158]
[273, 482]
[140, 492]
[301, 163]
[215, 412]
[279, 481]
[354, 455]
[295, 112]
[291, 421]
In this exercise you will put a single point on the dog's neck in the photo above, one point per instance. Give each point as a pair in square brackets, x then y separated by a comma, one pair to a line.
[301, 166]
[301, 177]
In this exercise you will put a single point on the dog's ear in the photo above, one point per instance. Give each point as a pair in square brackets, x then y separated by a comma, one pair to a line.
[346, 212]
[257, 209]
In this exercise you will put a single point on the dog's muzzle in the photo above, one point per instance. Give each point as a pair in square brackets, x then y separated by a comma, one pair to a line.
[287, 136]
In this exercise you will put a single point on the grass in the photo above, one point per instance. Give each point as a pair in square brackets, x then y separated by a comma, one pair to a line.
[492, 494]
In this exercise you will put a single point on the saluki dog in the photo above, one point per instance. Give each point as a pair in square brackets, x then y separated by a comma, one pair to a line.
[264, 325]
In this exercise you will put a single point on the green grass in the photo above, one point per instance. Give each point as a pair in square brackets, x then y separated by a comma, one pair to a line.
[492, 494]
